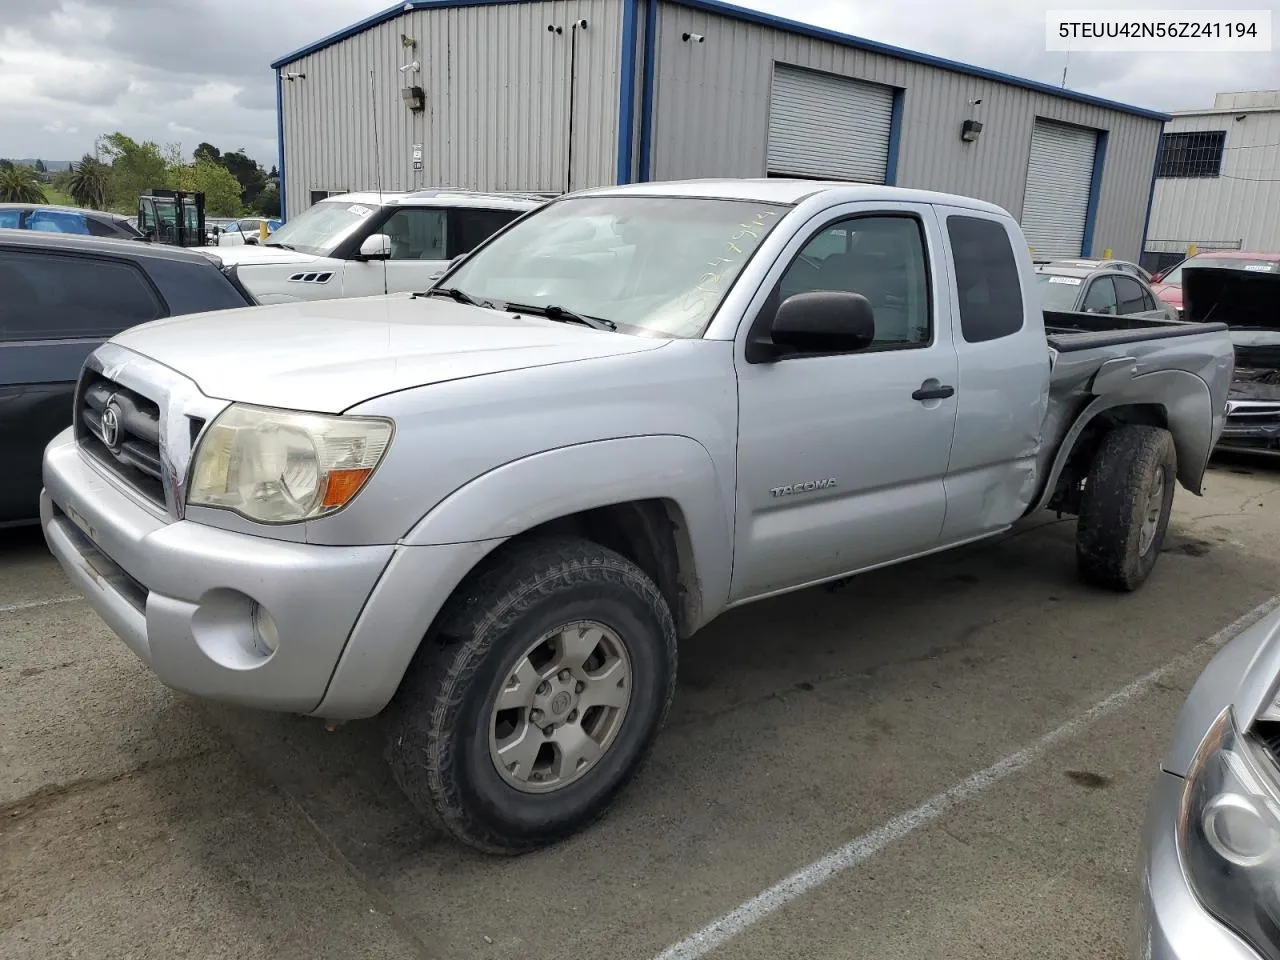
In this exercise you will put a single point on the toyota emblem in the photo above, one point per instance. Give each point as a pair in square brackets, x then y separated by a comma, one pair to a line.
[111, 424]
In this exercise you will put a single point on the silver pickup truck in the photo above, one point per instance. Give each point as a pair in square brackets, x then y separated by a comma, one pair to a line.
[490, 512]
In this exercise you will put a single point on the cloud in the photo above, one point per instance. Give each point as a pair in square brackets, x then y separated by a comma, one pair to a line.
[198, 70]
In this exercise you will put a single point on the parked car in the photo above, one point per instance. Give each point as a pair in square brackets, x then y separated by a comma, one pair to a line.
[1064, 285]
[1124, 266]
[62, 296]
[1243, 293]
[362, 244]
[561, 461]
[1168, 284]
[1210, 860]
[245, 231]
[46, 218]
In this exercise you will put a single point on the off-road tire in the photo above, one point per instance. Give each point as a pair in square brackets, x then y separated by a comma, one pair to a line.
[438, 723]
[1114, 505]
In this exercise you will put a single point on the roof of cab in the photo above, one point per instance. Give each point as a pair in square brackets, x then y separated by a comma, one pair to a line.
[791, 192]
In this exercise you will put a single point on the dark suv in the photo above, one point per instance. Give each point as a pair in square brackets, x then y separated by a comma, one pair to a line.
[60, 297]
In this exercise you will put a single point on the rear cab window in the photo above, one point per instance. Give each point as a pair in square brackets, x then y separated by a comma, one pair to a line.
[988, 286]
[54, 296]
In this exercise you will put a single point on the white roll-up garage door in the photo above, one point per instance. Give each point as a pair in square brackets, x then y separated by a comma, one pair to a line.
[822, 125]
[1056, 202]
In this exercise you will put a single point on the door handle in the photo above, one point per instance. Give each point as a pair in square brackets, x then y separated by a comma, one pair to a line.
[933, 393]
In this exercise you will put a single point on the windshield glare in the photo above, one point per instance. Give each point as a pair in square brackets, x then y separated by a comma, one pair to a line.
[1059, 293]
[655, 266]
[320, 228]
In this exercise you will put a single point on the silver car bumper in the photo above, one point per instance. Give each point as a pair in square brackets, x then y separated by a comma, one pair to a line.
[182, 596]
[1172, 925]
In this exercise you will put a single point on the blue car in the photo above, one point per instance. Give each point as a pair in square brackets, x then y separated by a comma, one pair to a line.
[45, 218]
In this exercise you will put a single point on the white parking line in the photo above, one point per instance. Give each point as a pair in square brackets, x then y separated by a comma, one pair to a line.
[807, 878]
[30, 604]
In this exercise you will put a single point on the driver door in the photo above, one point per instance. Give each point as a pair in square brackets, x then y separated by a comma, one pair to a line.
[842, 457]
[417, 253]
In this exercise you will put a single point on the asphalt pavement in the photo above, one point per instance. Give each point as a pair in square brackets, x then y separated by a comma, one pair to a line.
[842, 741]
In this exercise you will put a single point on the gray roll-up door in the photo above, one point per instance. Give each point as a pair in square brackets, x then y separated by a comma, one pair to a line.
[822, 125]
[1056, 202]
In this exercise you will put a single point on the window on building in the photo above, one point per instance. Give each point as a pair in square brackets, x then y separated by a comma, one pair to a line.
[987, 279]
[1196, 153]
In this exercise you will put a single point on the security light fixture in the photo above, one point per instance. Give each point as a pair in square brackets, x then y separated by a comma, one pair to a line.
[414, 98]
[695, 37]
[969, 130]
[291, 76]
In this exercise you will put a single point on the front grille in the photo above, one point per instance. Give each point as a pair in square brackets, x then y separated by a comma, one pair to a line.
[120, 428]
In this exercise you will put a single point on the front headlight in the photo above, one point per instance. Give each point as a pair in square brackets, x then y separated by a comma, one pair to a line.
[1229, 836]
[278, 466]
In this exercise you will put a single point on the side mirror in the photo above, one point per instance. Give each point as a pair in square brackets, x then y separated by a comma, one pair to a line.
[824, 321]
[376, 246]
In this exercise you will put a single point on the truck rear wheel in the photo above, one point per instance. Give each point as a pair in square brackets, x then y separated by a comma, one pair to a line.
[539, 698]
[1124, 508]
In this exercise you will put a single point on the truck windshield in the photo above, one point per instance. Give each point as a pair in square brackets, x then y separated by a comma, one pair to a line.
[654, 266]
[1058, 292]
[320, 228]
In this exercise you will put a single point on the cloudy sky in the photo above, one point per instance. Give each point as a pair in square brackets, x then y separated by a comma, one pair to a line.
[190, 70]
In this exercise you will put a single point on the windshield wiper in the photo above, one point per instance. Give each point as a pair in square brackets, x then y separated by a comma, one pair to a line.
[277, 243]
[552, 312]
[453, 293]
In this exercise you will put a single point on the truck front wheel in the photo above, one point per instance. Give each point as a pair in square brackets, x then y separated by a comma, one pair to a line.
[1124, 508]
[539, 697]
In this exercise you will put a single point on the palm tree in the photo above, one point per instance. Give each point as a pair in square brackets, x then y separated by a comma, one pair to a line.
[20, 185]
[89, 182]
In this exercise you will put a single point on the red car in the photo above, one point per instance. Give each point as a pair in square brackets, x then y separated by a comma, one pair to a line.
[1168, 284]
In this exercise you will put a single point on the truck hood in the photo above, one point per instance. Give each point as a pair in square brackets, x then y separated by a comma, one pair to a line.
[328, 355]
[252, 253]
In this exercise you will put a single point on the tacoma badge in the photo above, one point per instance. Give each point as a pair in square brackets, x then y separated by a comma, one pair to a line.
[805, 487]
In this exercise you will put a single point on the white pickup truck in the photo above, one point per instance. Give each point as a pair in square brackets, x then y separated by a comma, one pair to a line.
[491, 513]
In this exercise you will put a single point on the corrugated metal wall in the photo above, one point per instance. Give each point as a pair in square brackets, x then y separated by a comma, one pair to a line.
[496, 90]
[1241, 205]
[711, 114]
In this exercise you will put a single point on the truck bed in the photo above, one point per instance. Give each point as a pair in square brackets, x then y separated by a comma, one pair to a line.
[1070, 332]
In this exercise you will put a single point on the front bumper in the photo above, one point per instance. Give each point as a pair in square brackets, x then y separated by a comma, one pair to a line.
[1172, 925]
[181, 595]
[1252, 425]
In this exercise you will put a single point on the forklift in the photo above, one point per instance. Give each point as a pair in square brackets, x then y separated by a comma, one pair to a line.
[173, 217]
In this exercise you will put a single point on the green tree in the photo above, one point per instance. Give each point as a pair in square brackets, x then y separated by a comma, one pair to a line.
[221, 190]
[6, 163]
[90, 180]
[40, 167]
[20, 185]
[135, 169]
[245, 169]
[207, 151]
[268, 202]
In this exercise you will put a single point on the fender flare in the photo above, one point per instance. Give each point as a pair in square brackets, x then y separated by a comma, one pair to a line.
[522, 494]
[1183, 396]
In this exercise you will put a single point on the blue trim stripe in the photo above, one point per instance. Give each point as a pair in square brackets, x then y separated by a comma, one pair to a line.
[1095, 189]
[627, 91]
[647, 88]
[1151, 194]
[895, 137]
[751, 16]
[280, 141]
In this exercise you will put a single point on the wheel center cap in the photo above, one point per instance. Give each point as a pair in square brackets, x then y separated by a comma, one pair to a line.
[560, 702]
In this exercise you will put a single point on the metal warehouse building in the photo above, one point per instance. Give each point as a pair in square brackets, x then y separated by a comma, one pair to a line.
[1218, 183]
[553, 95]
